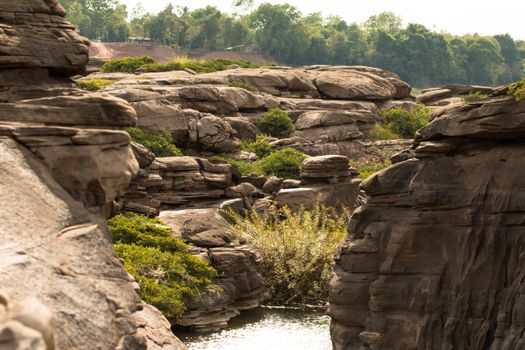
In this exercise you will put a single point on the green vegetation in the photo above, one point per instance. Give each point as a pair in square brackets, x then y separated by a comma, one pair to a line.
[285, 163]
[260, 147]
[94, 84]
[202, 66]
[293, 38]
[245, 86]
[518, 89]
[160, 262]
[276, 122]
[297, 251]
[126, 64]
[366, 169]
[399, 123]
[159, 142]
[474, 96]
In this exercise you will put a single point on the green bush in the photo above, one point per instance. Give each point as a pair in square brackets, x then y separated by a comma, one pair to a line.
[166, 272]
[94, 84]
[276, 122]
[203, 66]
[159, 142]
[405, 123]
[474, 96]
[284, 163]
[126, 64]
[245, 86]
[297, 251]
[260, 147]
[366, 169]
[382, 132]
[518, 89]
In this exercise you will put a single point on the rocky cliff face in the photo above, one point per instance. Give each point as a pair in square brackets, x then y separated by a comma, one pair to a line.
[435, 259]
[62, 162]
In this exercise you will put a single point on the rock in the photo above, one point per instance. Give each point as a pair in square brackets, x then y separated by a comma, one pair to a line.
[215, 134]
[244, 189]
[330, 169]
[360, 85]
[421, 268]
[143, 155]
[64, 256]
[290, 183]
[241, 284]
[273, 185]
[255, 179]
[440, 96]
[245, 130]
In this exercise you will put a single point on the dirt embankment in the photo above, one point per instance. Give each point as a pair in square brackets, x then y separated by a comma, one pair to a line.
[164, 54]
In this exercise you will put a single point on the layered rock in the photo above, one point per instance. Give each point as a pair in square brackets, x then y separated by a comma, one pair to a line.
[63, 161]
[450, 94]
[435, 258]
[240, 284]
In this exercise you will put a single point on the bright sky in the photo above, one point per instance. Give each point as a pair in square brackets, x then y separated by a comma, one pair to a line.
[454, 16]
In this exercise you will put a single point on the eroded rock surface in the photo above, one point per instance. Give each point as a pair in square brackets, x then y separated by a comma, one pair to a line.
[435, 259]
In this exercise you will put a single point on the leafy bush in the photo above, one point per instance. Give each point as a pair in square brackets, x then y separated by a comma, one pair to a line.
[297, 251]
[159, 142]
[203, 66]
[518, 89]
[405, 123]
[382, 132]
[366, 169]
[126, 64]
[276, 122]
[285, 163]
[94, 84]
[159, 261]
[474, 96]
[245, 86]
[260, 147]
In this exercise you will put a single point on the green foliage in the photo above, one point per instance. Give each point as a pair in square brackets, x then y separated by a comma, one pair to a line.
[203, 66]
[245, 86]
[382, 132]
[126, 64]
[297, 251]
[159, 142]
[159, 261]
[366, 169]
[518, 89]
[260, 147]
[285, 163]
[276, 122]
[94, 84]
[474, 96]
[404, 123]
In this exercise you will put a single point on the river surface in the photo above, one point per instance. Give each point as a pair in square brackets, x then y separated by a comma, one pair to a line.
[268, 328]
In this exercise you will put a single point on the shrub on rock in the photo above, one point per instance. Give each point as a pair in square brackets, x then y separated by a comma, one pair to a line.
[158, 142]
[518, 89]
[405, 123]
[276, 122]
[297, 251]
[94, 84]
[160, 262]
[126, 64]
[285, 163]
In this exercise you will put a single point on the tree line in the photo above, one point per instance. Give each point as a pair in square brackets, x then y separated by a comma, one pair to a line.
[419, 55]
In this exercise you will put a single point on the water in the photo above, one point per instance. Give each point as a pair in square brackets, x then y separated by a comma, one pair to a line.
[268, 328]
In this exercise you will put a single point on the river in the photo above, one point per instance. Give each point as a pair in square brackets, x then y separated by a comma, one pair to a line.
[268, 328]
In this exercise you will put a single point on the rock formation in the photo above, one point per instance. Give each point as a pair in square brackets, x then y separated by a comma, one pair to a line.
[63, 161]
[435, 258]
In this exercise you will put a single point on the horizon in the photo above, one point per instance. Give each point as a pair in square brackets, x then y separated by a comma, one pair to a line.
[434, 16]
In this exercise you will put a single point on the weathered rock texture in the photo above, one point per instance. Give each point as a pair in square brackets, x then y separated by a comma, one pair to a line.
[435, 259]
[62, 163]
[333, 108]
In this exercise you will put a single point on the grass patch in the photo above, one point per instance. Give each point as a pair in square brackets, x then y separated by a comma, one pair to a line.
[158, 142]
[126, 64]
[94, 84]
[401, 123]
[366, 169]
[260, 147]
[297, 251]
[382, 132]
[277, 123]
[518, 89]
[202, 66]
[245, 86]
[474, 96]
[160, 262]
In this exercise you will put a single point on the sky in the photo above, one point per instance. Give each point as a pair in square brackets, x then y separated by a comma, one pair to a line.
[453, 16]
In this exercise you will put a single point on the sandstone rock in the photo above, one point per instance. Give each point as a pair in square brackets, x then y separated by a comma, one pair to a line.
[422, 266]
[213, 133]
[273, 185]
[143, 155]
[331, 168]
[245, 130]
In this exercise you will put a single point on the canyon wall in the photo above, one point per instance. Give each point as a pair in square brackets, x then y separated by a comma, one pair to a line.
[63, 160]
[435, 258]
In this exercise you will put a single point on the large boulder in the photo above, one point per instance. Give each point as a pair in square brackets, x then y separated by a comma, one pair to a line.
[435, 258]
